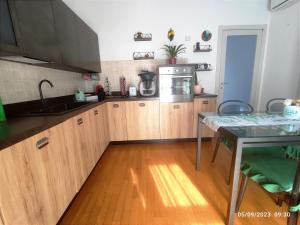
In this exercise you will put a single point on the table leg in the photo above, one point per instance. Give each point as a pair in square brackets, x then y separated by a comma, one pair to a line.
[234, 185]
[199, 136]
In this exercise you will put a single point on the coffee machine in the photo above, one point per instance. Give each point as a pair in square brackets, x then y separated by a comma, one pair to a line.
[147, 85]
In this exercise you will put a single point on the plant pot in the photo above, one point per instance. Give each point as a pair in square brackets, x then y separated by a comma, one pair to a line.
[172, 60]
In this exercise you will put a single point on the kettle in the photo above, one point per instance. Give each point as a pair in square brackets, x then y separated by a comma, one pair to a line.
[79, 96]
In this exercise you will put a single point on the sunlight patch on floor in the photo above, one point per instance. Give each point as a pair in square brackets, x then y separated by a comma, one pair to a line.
[136, 184]
[175, 187]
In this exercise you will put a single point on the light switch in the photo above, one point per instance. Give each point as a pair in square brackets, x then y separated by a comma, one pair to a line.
[187, 38]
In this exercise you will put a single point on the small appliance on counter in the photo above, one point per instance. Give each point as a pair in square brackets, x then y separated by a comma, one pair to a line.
[132, 91]
[147, 85]
[79, 96]
[100, 92]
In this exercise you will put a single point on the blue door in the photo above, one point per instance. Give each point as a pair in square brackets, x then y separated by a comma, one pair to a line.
[239, 67]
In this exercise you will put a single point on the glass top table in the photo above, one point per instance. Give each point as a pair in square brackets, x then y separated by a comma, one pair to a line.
[248, 130]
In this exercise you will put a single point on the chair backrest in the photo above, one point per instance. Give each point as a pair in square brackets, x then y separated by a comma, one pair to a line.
[235, 107]
[275, 105]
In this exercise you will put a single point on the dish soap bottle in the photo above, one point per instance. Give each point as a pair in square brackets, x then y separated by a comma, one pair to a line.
[2, 113]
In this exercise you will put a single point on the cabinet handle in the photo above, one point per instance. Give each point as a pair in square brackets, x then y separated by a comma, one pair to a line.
[176, 106]
[142, 104]
[205, 102]
[95, 112]
[42, 143]
[80, 121]
[116, 105]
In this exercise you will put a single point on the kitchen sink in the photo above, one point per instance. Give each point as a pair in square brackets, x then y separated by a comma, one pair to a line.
[55, 109]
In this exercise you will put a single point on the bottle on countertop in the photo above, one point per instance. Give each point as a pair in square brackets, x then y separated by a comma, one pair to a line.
[123, 86]
[107, 87]
[2, 112]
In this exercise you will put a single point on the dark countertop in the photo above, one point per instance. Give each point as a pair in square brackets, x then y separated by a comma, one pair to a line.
[19, 128]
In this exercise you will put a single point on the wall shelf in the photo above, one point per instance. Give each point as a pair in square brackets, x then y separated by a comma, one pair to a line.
[142, 37]
[203, 70]
[143, 55]
[202, 67]
[203, 48]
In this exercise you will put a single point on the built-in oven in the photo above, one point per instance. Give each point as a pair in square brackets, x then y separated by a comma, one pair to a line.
[176, 83]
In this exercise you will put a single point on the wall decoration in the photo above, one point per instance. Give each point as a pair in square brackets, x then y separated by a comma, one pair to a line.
[139, 36]
[143, 55]
[206, 35]
[171, 34]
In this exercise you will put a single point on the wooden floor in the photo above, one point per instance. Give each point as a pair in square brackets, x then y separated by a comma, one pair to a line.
[139, 184]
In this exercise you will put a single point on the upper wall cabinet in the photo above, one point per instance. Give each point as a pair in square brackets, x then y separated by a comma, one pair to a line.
[78, 43]
[47, 33]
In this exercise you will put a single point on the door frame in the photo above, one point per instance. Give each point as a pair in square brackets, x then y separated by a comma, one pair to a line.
[258, 66]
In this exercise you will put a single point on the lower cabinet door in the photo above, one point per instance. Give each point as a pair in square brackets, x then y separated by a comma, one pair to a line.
[142, 119]
[203, 105]
[176, 120]
[38, 179]
[95, 132]
[82, 131]
[75, 154]
[105, 125]
[117, 121]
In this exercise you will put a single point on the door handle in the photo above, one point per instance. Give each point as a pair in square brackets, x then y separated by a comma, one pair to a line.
[116, 105]
[176, 107]
[205, 102]
[80, 121]
[142, 104]
[42, 143]
[95, 112]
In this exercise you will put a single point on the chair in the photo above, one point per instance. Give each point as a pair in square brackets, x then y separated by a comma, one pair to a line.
[275, 173]
[230, 107]
[234, 107]
[275, 105]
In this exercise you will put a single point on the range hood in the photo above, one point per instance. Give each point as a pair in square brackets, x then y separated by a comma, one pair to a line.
[47, 33]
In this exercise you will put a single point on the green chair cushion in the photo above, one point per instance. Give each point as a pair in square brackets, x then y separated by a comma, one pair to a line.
[270, 168]
[293, 152]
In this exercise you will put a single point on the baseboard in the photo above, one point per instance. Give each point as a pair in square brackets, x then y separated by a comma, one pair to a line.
[158, 141]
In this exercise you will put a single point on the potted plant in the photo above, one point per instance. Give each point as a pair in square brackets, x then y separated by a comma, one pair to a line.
[173, 51]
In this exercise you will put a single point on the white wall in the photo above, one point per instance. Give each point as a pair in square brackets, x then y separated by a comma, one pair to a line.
[282, 70]
[116, 21]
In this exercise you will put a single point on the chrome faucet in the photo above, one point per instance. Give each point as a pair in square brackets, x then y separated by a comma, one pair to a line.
[41, 92]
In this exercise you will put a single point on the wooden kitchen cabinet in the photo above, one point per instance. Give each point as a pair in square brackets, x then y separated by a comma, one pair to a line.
[117, 121]
[75, 152]
[85, 142]
[203, 105]
[176, 120]
[142, 120]
[95, 133]
[38, 179]
[105, 128]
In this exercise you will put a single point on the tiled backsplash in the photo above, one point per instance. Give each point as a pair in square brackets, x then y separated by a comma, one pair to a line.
[19, 82]
[129, 69]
